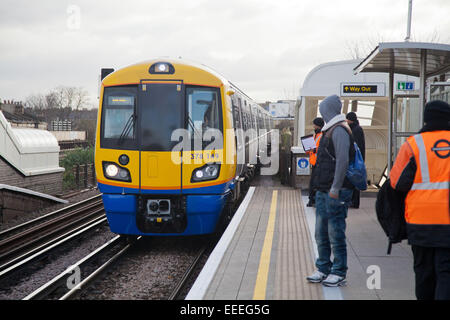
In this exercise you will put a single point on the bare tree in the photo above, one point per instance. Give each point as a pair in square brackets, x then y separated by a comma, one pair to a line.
[72, 98]
[360, 49]
[36, 102]
[51, 100]
[432, 37]
[81, 98]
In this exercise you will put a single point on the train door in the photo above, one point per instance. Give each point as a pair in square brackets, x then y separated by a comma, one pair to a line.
[204, 124]
[160, 113]
[240, 147]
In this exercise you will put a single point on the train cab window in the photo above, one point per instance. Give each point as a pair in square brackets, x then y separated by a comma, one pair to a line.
[118, 120]
[252, 124]
[203, 110]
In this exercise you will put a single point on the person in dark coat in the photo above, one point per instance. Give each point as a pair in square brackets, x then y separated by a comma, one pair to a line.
[318, 124]
[358, 135]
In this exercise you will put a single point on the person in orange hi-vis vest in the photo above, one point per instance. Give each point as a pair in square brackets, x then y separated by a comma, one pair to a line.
[422, 169]
[318, 124]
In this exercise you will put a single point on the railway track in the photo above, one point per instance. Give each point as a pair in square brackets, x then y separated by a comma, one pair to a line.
[29, 241]
[33, 240]
[68, 284]
[176, 293]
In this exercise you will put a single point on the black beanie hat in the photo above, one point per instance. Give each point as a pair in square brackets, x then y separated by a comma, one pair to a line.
[436, 111]
[351, 116]
[319, 122]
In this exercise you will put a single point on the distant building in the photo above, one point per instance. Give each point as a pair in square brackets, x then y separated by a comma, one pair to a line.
[29, 154]
[282, 109]
[17, 116]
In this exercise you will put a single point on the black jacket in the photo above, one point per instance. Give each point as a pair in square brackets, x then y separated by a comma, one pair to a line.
[358, 135]
[326, 162]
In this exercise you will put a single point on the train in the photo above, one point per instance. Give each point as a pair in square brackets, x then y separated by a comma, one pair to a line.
[157, 183]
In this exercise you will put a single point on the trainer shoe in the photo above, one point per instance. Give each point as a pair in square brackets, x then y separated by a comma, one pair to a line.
[316, 277]
[334, 280]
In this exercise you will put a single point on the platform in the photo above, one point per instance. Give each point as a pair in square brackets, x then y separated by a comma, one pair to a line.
[269, 248]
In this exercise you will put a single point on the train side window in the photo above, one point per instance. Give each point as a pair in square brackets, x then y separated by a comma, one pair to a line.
[245, 120]
[260, 120]
[242, 112]
[236, 114]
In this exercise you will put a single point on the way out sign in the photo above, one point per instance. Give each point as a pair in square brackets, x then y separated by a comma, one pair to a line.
[303, 166]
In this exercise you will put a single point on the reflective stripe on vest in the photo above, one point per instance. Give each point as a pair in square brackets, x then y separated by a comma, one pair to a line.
[424, 169]
[428, 200]
[425, 172]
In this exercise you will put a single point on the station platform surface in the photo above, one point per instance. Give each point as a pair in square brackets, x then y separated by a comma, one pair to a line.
[269, 248]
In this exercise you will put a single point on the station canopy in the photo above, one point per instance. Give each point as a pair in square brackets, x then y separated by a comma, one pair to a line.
[405, 58]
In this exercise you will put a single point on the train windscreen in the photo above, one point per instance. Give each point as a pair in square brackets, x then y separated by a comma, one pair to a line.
[160, 113]
[118, 118]
[203, 112]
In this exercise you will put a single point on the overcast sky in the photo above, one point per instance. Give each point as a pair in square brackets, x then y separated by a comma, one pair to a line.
[266, 47]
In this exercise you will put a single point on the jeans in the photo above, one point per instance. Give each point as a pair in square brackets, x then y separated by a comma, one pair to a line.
[330, 232]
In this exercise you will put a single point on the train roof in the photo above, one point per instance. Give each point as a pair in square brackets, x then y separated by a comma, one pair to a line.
[134, 73]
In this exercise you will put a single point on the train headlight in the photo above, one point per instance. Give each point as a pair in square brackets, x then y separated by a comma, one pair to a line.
[209, 171]
[115, 172]
[112, 170]
[199, 174]
[161, 68]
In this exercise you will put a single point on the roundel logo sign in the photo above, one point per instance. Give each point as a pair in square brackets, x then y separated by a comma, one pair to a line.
[303, 163]
[442, 148]
[303, 166]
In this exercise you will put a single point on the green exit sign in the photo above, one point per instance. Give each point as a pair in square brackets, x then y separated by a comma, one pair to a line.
[405, 85]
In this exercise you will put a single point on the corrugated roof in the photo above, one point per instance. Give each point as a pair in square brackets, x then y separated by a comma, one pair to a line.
[405, 58]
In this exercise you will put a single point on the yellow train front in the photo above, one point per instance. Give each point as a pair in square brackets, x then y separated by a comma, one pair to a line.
[156, 176]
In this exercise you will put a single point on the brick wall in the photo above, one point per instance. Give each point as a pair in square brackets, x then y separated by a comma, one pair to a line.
[14, 205]
[46, 183]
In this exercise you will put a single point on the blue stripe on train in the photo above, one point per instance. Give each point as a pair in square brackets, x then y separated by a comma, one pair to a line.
[202, 212]
[203, 208]
[217, 189]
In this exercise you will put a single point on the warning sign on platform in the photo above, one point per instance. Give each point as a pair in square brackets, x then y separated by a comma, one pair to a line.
[303, 166]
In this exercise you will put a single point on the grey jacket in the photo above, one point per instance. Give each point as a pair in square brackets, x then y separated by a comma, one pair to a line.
[330, 109]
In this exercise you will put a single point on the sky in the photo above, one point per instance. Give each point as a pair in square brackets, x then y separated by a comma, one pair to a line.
[265, 47]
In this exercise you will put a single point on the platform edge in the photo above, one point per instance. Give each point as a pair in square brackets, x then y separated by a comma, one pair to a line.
[205, 277]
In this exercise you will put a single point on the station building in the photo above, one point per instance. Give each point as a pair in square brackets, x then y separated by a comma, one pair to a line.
[367, 95]
[30, 174]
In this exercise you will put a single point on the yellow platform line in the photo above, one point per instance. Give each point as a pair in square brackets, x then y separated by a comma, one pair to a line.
[259, 292]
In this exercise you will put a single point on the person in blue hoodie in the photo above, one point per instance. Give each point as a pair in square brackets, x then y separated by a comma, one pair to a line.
[334, 193]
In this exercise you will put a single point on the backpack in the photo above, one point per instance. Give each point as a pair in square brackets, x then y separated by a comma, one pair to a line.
[356, 170]
[390, 209]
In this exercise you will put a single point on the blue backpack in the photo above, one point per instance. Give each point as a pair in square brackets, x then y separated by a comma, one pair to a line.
[356, 171]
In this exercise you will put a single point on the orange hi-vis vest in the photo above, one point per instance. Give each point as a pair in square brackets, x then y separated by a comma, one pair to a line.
[313, 155]
[427, 202]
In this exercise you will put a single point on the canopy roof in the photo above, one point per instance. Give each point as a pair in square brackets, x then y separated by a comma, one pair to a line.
[405, 58]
